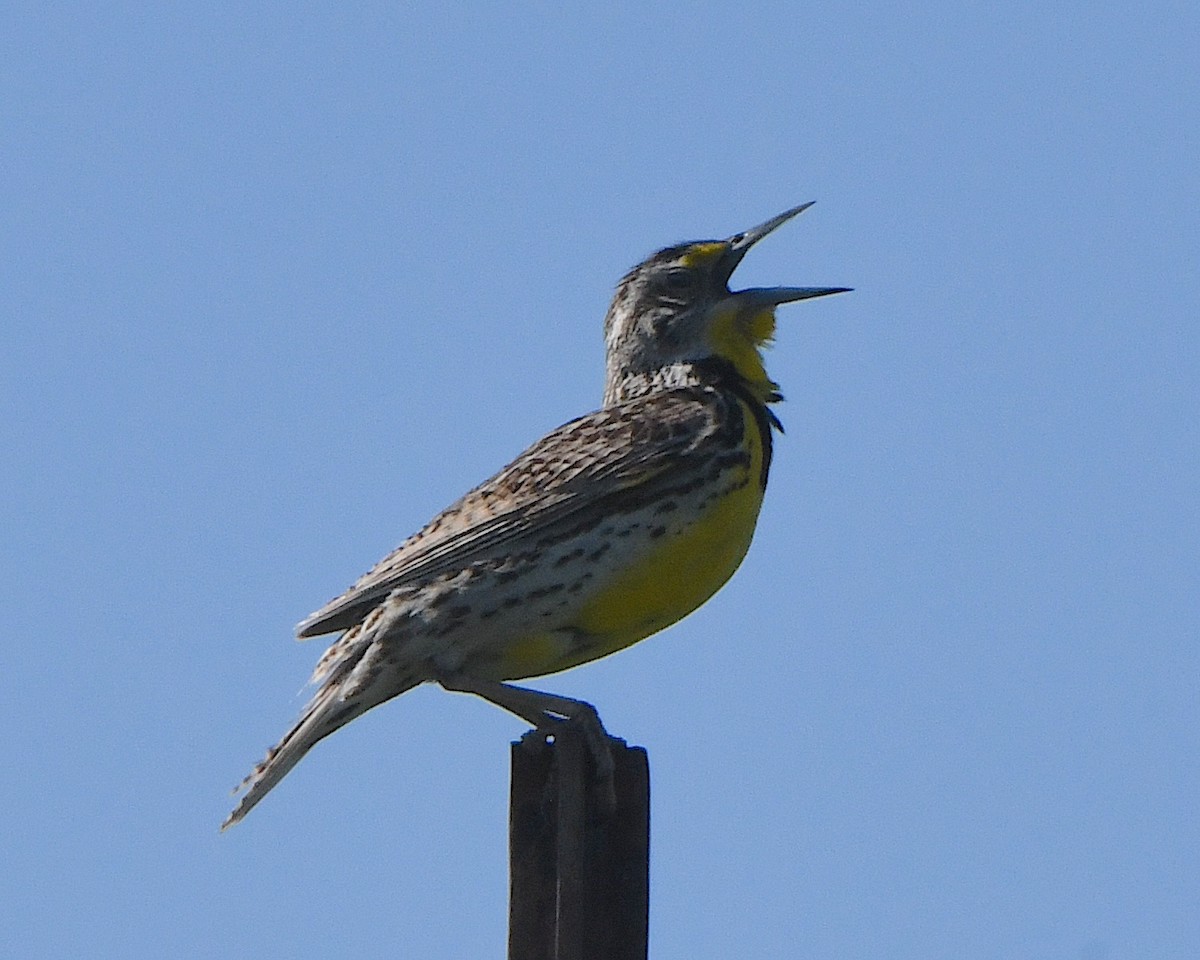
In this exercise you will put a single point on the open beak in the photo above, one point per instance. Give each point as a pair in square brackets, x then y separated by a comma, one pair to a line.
[740, 244]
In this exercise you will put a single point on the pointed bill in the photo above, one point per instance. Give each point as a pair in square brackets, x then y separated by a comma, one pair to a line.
[739, 243]
[773, 296]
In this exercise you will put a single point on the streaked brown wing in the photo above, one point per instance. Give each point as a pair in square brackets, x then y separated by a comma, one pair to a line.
[576, 468]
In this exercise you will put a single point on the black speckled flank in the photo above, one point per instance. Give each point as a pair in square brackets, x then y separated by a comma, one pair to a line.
[657, 449]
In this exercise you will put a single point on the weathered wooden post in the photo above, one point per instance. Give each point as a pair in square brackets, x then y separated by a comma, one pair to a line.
[579, 864]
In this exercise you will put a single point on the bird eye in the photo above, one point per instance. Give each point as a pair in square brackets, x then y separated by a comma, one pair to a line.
[677, 280]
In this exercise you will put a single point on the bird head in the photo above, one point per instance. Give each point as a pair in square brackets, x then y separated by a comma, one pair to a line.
[675, 310]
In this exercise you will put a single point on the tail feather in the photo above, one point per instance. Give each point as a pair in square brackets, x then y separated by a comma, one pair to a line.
[355, 679]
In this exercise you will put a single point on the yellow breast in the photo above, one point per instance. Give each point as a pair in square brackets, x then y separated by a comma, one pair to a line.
[672, 579]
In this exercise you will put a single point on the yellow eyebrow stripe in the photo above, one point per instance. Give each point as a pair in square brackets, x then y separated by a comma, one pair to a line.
[701, 252]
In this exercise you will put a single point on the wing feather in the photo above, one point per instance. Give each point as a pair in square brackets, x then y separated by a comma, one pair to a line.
[606, 454]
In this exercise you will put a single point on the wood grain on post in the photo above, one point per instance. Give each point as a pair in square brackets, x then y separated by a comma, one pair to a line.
[579, 866]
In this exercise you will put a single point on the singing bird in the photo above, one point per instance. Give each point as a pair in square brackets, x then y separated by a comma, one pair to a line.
[603, 532]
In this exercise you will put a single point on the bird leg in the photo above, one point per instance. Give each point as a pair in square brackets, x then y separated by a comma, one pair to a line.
[543, 710]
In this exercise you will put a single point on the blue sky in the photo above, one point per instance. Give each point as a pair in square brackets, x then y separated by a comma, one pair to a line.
[281, 281]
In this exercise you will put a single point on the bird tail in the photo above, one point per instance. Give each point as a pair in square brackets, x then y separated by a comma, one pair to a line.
[355, 676]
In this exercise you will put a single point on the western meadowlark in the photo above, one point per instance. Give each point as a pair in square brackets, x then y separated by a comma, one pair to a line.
[603, 532]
